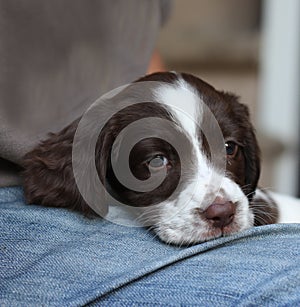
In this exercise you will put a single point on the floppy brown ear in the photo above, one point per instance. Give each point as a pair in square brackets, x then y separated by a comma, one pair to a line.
[48, 177]
[251, 150]
[252, 161]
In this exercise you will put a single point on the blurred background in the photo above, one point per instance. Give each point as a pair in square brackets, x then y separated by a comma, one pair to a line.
[251, 48]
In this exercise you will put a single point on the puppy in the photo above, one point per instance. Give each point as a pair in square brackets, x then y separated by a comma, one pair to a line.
[192, 167]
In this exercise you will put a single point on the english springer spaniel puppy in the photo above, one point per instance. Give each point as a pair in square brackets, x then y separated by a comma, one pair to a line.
[191, 166]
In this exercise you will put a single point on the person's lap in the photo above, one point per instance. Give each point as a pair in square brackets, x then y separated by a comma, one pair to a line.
[57, 257]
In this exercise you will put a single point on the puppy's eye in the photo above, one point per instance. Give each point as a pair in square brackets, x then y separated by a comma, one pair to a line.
[158, 163]
[231, 149]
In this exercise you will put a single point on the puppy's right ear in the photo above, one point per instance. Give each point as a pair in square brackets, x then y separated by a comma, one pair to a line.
[48, 177]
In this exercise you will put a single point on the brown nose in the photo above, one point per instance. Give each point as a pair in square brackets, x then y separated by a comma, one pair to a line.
[220, 213]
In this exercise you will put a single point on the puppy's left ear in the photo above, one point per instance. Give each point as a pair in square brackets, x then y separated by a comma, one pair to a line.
[251, 151]
[263, 206]
[252, 161]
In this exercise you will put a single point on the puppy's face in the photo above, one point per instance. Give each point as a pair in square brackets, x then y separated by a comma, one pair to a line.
[197, 200]
[183, 154]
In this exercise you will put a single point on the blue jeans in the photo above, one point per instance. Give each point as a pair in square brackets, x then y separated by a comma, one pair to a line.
[56, 257]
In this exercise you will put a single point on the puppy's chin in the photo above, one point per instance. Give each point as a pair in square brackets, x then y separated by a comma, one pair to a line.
[173, 234]
[182, 222]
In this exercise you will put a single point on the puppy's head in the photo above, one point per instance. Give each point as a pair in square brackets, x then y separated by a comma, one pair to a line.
[196, 200]
[185, 155]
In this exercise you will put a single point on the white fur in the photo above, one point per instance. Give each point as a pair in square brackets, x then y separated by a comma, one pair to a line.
[289, 208]
[184, 102]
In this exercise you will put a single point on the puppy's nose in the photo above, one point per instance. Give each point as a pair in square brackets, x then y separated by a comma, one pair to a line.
[220, 213]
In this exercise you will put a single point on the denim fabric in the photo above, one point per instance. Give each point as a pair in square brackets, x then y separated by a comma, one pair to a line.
[55, 257]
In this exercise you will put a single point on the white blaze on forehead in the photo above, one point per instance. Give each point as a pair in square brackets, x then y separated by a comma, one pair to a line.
[187, 109]
[185, 103]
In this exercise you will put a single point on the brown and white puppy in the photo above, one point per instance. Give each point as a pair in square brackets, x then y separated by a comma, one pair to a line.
[179, 211]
